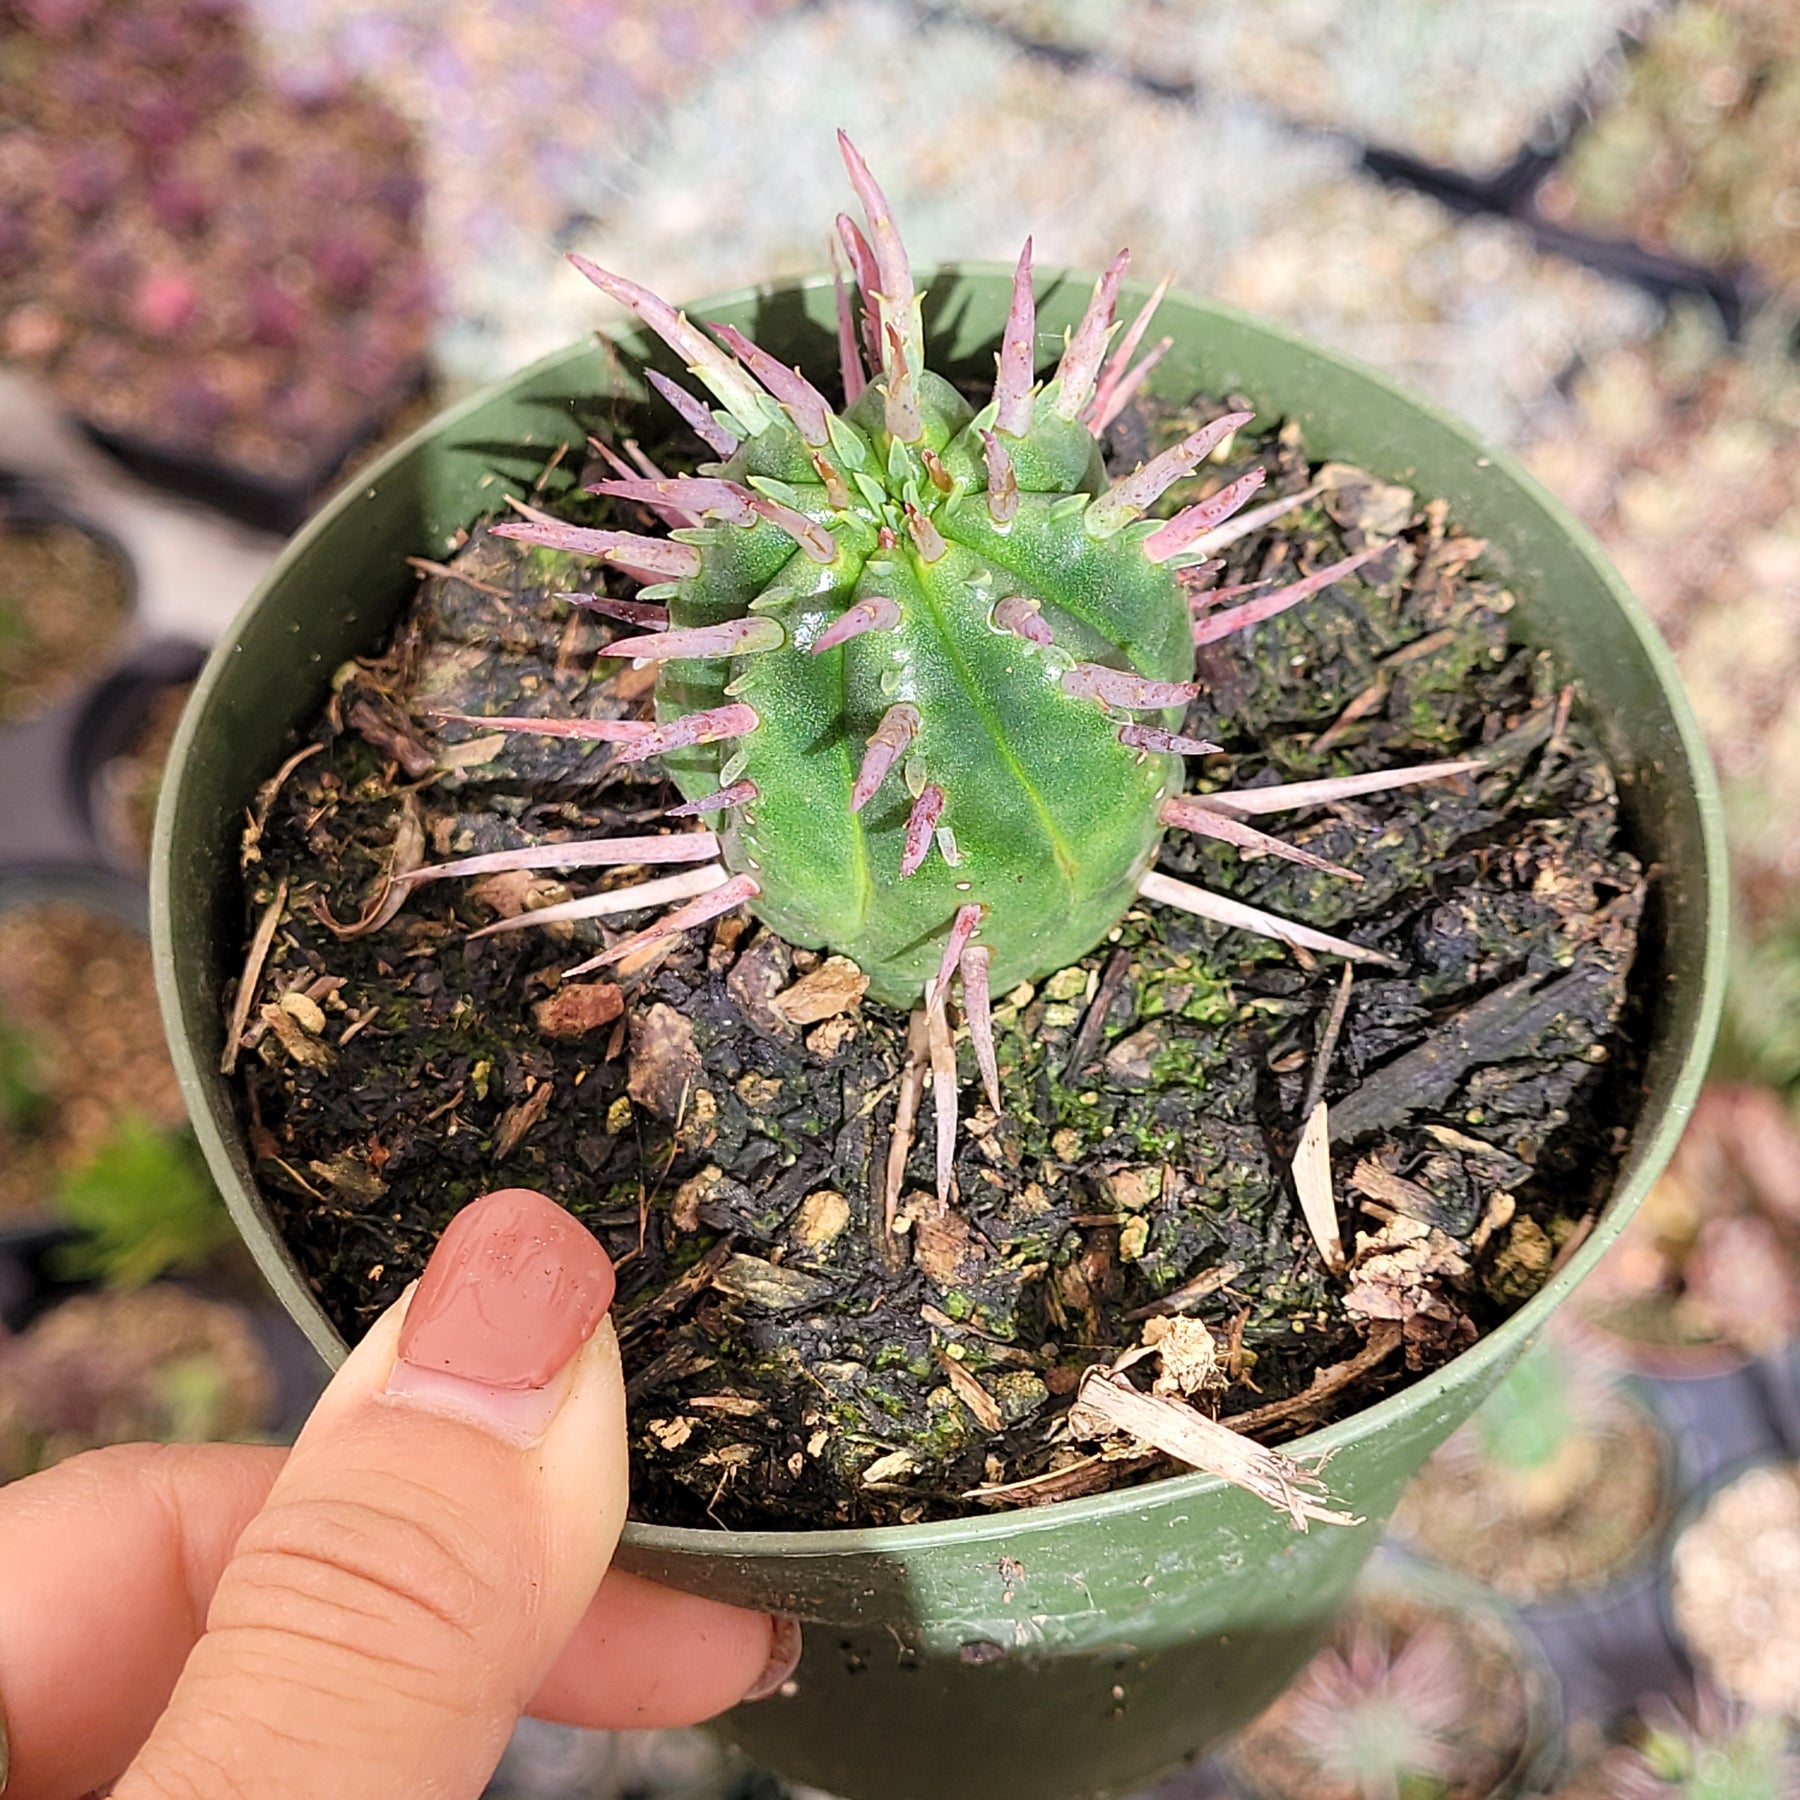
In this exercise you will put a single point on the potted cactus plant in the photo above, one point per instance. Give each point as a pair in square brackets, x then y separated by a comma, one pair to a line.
[928, 674]
[1429, 1689]
[1561, 1482]
[1709, 1749]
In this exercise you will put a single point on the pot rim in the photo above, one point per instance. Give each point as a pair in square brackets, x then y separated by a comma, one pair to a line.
[1429, 1391]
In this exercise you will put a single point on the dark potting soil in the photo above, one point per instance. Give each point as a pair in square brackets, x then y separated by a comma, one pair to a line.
[721, 1111]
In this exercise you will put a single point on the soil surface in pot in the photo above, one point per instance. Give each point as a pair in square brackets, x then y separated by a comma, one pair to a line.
[1734, 1588]
[1570, 1522]
[1416, 1696]
[81, 1048]
[65, 601]
[810, 1337]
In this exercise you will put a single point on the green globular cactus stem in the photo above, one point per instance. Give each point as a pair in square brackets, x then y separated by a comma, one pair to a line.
[923, 666]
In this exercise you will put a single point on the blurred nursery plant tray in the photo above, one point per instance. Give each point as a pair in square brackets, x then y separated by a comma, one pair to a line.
[1698, 155]
[223, 280]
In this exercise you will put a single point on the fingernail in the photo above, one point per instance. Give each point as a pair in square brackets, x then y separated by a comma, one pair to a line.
[513, 1290]
[784, 1658]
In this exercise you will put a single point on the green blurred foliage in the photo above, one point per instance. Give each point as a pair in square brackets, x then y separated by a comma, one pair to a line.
[1747, 1759]
[144, 1206]
[1527, 1420]
[23, 1101]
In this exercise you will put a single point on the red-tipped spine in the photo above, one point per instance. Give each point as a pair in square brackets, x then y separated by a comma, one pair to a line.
[925, 534]
[1003, 480]
[809, 534]
[1153, 737]
[868, 283]
[705, 727]
[877, 613]
[1131, 494]
[1098, 416]
[695, 414]
[894, 273]
[1121, 394]
[1017, 364]
[1019, 614]
[899, 726]
[837, 495]
[849, 352]
[979, 1012]
[1124, 688]
[691, 496]
[730, 637]
[736, 392]
[674, 847]
[1193, 523]
[1253, 612]
[1187, 814]
[662, 559]
[1074, 379]
[920, 824]
[596, 731]
[740, 793]
[737, 892]
[962, 928]
[614, 460]
[943, 1093]
[807, 407]
[646, 467]
[630, 612]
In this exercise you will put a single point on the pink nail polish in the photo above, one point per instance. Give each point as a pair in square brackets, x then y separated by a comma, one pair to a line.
[784, 1658]
[513, 1290]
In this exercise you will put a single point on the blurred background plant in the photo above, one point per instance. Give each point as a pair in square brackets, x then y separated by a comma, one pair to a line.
[142, 1205]
[1558, 1483]
[1425, 1690]
[92, 1130]
[1709, 1749]
[159, 1365]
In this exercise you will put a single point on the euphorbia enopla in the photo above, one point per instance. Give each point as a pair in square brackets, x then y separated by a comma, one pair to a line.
[923, 666]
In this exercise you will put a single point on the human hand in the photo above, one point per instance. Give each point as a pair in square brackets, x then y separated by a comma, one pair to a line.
[367, 1614]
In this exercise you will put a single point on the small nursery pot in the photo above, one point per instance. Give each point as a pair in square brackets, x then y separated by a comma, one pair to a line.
[1076, 1649]
[1494, 1638]
[54, 837]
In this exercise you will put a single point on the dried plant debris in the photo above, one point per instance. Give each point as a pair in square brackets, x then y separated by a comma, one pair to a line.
[811, 1333]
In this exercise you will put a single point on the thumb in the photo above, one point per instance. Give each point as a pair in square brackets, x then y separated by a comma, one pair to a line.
[434, 1538]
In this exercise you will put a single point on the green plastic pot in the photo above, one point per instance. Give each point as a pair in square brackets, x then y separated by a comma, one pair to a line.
[1076, 1649]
